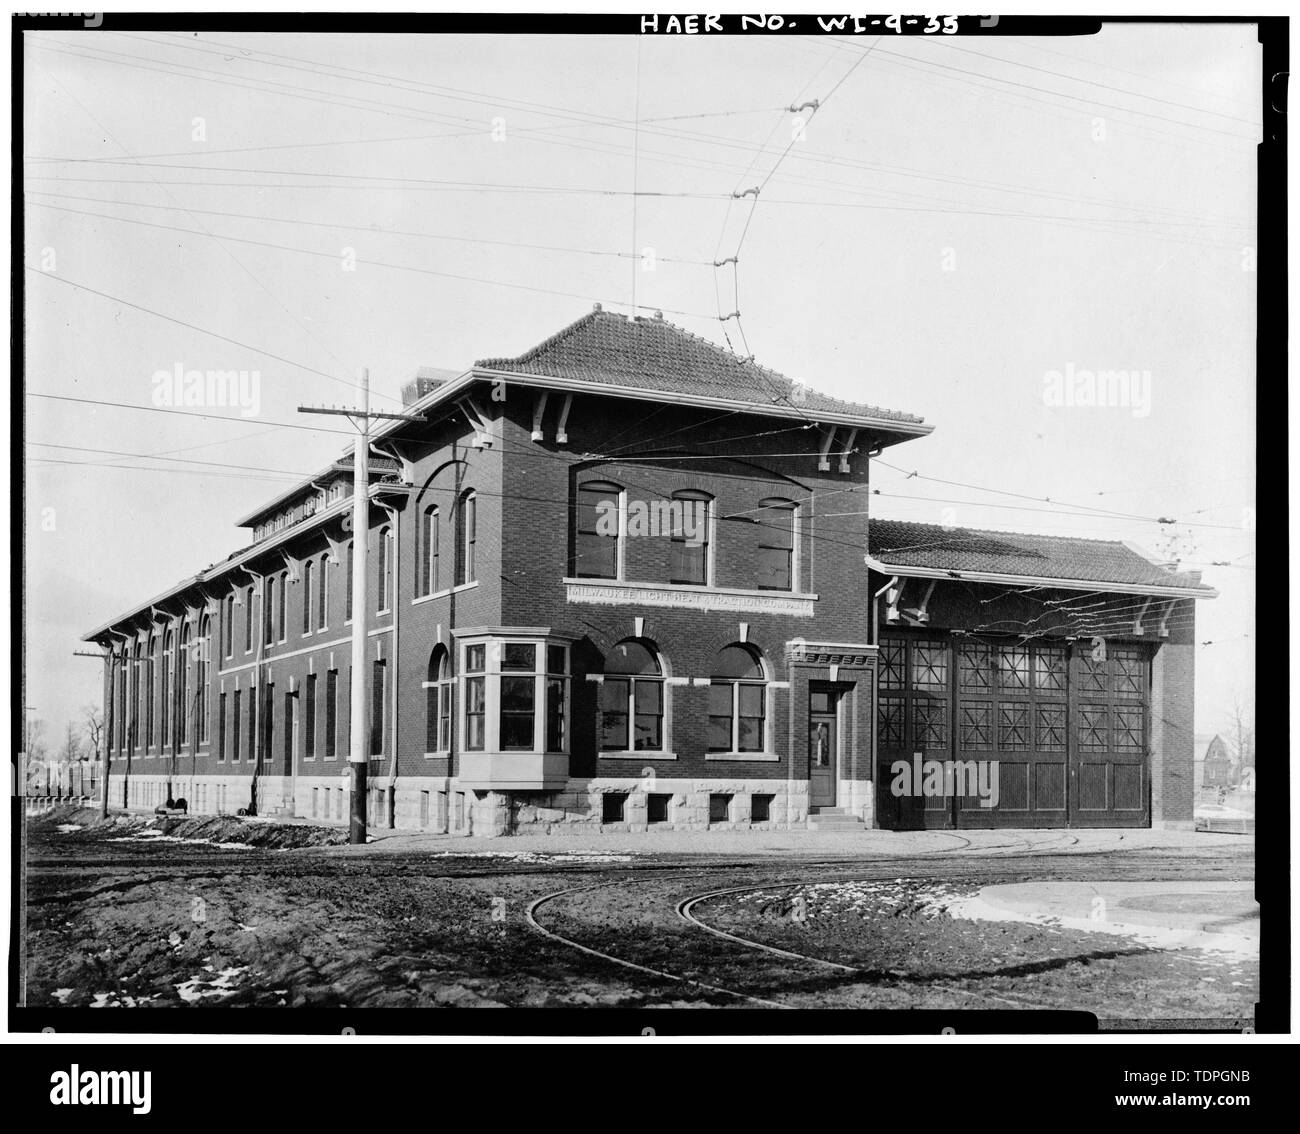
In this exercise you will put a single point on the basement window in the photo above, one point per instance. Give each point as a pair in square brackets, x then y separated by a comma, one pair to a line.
[719, 808]
[657, 808]
[612, 806]
[760, 808]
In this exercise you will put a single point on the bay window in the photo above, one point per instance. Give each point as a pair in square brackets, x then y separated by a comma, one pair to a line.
[515, 694]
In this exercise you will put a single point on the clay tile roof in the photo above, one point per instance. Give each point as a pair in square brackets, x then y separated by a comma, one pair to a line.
[606, 348]
[901, 543]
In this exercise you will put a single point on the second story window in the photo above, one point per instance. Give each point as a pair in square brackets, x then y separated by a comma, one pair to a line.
[228, 626]
[268, 610]
[777, 560]
[691, 520]
[323, 591]
[384, 583]
[467, 538]
[347, 599]
[307, 605]
[597, 530]
[430, 575]
[284, 588]
[248, 620]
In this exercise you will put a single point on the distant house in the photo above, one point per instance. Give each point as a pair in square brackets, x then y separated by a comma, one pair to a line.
[1217, 765]
[1247, 780]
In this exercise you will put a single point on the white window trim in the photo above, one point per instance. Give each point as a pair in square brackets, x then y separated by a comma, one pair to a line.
[666, 677]
[492, 674]
[444, 593]
[768, 753]
[449, 684]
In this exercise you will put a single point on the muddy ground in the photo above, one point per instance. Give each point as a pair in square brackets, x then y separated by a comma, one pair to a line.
[207, 912]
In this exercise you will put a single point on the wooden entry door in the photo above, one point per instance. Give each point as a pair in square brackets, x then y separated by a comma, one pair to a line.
[823, 746]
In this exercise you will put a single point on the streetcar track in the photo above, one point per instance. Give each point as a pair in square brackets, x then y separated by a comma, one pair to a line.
[530, 915]
[684, 911]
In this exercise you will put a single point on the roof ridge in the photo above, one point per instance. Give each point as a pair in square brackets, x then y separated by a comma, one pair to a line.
[559, 336]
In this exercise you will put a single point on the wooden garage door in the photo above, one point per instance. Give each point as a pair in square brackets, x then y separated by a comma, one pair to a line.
[913, 717]
[1067, 725]
[1012, 709]
[1109, 764]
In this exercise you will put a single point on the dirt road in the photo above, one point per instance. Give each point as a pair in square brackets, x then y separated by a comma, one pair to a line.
[118, 916]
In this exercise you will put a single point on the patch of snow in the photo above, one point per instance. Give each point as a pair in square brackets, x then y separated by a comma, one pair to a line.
[535, 856]
[218, 984]
[1155, 937]
[62, 994]
[68, 828]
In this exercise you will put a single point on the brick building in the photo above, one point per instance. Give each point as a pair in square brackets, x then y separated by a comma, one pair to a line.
[627, 579]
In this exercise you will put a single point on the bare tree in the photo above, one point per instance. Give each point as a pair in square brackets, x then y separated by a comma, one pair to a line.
[1241, 731]
[36, 749]
[93, 718]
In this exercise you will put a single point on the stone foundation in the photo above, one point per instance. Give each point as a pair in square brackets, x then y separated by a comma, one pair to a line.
[439, 805]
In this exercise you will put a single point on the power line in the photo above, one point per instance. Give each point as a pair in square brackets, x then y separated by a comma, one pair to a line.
[183, 412]
[242, 266]
[372, 263]
[188, 326]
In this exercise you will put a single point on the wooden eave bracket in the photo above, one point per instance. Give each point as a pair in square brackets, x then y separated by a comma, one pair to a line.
[824, 461]
[482, 425]
[539, 412]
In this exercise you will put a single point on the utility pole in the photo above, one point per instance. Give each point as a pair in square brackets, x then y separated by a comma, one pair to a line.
[359, 748]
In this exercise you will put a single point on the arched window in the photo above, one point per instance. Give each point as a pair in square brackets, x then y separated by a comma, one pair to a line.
[632, 699]
[323, 591]
[597, 530]
[203, 677]
[438, 701]
[284, 594]
[430, 572]
[268, 610]
[136, 694]
[777, 559]
[347, 600]
[308, 606]
[467, 538]
[692, 521]
[228, 625]
[151, 650]
[738, 701]
[123, 736]
[183, 707]
[248, 619]
[383, 586]
[165, 700]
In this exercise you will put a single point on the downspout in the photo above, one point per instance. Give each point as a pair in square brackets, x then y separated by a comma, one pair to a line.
[259, 634]
[396, 517]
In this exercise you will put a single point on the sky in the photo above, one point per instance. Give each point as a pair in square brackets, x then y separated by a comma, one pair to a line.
[959, 230]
